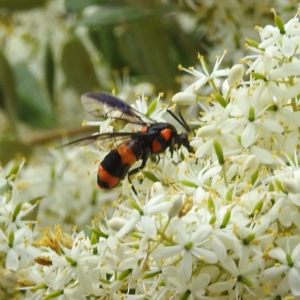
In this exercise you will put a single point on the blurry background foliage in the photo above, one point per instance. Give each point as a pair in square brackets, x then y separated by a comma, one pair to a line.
[53, 51]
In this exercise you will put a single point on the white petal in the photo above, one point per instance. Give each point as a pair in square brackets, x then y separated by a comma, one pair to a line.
[285, 216]
[229, 265]
[156, 189]
[291, 117]
[148, 226]
[272, 125]
[295, 199]
[206, 255]
[294, 280]
[287, 69]
[222, 286]
[248, 137]
[12, 260]
[219, 249]
[201, 234]
[278, 254]
[167, 252]
[273, 272]
[296, 254]
[288, 48]
[200, 282]
[264, 156]
[129, 226]
[185, 269]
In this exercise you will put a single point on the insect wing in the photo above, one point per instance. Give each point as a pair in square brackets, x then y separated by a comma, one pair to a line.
[107, 106]
[107, 141]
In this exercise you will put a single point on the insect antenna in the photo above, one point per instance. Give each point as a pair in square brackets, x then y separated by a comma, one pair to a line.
[180, 119]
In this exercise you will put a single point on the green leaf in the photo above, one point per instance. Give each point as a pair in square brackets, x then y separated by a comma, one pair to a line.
[109, 16]
[49, 71]
[150, 176]
[151, 108]
[146, 49]
[220, 99]
[33, 107]
[78, 67]
[21, 4]
[188, 183]
[279, 23]
[7, 89]
[106, 42]
[11, 148]
[124, 274]
[75, 5]
[219, 152]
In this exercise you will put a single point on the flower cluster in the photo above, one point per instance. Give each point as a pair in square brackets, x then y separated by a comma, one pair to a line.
[226, 24]
[221, 223]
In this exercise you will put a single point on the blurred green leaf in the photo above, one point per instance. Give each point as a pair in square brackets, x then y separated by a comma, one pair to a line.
[33, 106]
[11, 148]
[146, 49]
[21, 4]
[7, 89]
[49, 71]
[106, 42]
[112, 16]
[145, 41]
[78, 67]
[185, 47]
[75, 5]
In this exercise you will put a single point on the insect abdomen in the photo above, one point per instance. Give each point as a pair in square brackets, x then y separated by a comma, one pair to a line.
[116, 164]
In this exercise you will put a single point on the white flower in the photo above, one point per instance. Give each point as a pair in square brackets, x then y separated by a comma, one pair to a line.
[289, 269]
[78, 261]
[205, 76]
[271, 35]
[189, 246]
[242, 275]
[219, 222]
[17, 245]
[12, 210]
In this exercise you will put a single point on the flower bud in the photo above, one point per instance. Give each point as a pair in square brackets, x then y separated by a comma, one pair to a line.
[116, 223]
[251, 164]
[207, 131]
[279, 23]
[176, 202]
[291, 186]
[219, 152]
[226, 219]
[236, 73]
[184, 98]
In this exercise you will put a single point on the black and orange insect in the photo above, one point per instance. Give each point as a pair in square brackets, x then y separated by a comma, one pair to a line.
[152, 139]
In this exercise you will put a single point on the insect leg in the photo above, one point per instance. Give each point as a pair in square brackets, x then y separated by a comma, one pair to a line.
[131, 172]
[155, 158]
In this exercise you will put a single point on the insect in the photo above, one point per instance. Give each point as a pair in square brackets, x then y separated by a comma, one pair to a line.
[152, 139]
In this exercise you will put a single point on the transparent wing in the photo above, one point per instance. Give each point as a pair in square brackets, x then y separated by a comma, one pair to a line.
[107, 106]
[107, 141]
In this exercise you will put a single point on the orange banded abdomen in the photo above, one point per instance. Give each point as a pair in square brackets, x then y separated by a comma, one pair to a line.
[117, 163]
